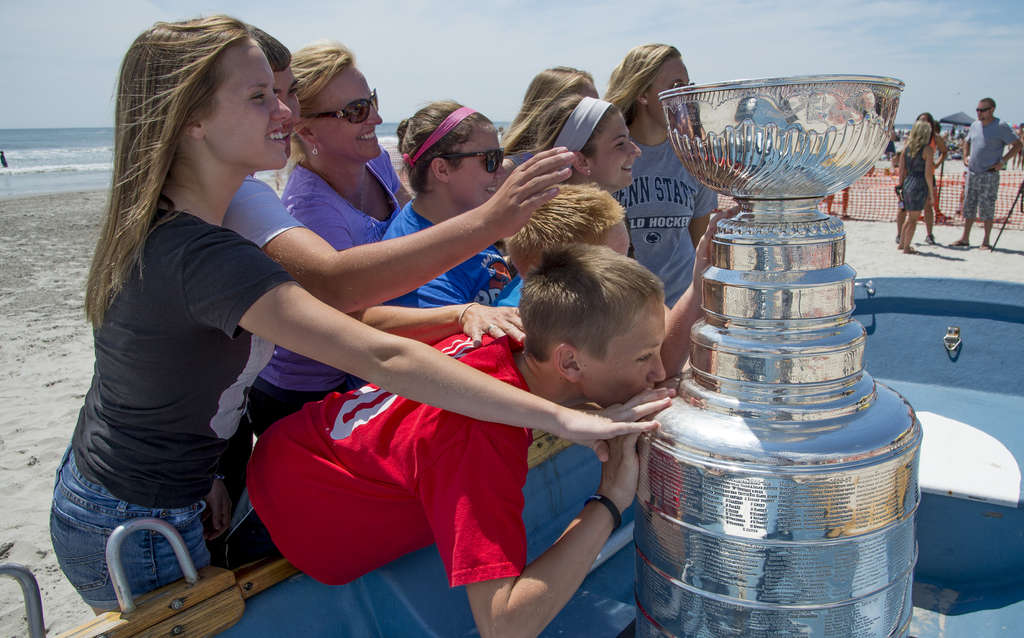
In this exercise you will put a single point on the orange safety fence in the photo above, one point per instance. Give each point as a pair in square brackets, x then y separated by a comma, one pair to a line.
[872, 198]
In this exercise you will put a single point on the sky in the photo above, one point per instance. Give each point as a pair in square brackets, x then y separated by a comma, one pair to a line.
[59, 60]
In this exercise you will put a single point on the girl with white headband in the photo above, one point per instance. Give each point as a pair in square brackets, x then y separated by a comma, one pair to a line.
[596, 130]
[546, 87]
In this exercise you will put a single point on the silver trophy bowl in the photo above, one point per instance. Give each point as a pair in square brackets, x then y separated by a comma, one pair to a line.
[778, 497]
[782, 138]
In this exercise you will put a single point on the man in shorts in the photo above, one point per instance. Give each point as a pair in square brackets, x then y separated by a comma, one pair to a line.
[355, 481]
[983, 155]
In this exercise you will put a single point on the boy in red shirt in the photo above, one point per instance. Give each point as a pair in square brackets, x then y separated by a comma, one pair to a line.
[354, 481]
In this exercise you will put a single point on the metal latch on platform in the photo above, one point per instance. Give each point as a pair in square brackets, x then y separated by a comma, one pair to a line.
[952, 339]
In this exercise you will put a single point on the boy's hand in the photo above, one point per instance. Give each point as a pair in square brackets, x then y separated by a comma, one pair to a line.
[672, 383]
[620, 473]
[644, 404]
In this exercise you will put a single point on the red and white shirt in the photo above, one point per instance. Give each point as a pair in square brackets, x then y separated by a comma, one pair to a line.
[356, 480]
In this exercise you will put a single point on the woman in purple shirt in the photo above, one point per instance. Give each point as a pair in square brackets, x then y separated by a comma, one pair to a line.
[342, 187]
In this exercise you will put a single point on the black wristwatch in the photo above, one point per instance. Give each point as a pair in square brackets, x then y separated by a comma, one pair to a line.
[612, 509]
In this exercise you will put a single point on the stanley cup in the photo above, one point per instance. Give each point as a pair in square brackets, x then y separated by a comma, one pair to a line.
[778, 498]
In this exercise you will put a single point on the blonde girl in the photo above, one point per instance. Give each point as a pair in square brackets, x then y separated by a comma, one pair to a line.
[666, 207]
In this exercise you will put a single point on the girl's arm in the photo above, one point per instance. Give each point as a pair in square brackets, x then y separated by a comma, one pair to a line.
[370, 274]
[675, 349]
[289, 316]
[430, 325]
[943, 149]
[524, 605]
[929, 172]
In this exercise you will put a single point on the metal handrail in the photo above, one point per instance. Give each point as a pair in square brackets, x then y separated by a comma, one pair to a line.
[117, 576]
[30, 592]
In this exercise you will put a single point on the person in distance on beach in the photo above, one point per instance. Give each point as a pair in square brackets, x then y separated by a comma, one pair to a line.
[357, 480]
[184, 312]
[667, 209]
[938, 145]
[916, 178]
[983, 155]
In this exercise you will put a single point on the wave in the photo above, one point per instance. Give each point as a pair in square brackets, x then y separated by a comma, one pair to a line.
[58, 168]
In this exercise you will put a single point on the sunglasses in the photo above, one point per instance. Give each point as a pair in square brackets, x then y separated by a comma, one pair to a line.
[987, 108]
[355, 111]
[492, 157]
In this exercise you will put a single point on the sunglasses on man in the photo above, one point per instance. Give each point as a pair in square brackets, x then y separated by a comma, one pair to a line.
[355, 111]
[492, 157]
[987, 108]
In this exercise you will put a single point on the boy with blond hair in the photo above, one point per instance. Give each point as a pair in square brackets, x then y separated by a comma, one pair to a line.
[354, 481]
[579, 214]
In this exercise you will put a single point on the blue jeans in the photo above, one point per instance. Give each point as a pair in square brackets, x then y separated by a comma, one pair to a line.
[82, 517]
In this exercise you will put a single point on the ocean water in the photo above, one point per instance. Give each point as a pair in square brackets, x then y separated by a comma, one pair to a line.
[60, 160]
[55, 160]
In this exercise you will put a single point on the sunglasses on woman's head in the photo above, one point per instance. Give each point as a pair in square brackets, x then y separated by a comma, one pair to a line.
[355, 111]
[492, 157]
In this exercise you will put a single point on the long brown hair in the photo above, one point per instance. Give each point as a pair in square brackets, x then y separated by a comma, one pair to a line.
[546, 87]
[920, 136]
[552, 121]
[168, 78]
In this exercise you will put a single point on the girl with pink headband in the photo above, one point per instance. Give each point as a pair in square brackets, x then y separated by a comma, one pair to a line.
[454, 164]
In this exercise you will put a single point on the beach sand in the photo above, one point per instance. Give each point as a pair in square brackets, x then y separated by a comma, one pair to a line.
[46, 358]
